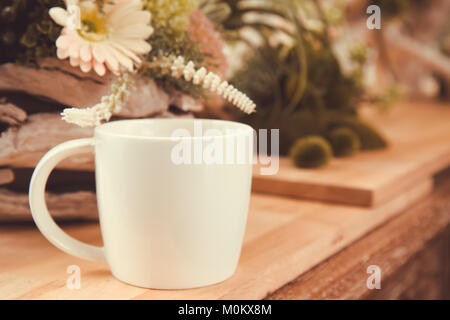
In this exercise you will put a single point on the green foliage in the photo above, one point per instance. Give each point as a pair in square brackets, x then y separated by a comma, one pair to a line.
[217, 11]
[297, 125]
[358, 53]
[172, 16]
[304, 76]
[270, 80]
[344, 142]
[260, 78]
[385, 100]
[327, 86]
[168, 46]
[170, 20]
[311, 152]
[27, 33]
[370, 139]
[301, 88]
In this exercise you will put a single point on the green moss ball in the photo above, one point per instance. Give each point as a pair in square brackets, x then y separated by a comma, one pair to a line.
[370, 139]
[311, 152]
[344, 142]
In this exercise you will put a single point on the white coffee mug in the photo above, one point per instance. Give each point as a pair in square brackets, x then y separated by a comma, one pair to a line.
[165, 224]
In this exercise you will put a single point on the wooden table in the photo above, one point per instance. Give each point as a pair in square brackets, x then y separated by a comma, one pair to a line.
[412, 250]
[410, 247]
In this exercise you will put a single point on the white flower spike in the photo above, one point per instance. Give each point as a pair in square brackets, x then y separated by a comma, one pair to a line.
[212, 82]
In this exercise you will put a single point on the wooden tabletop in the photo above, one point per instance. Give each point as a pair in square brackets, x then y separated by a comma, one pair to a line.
[418, 134]
[284, 239]
[412, 250]
[31, 268]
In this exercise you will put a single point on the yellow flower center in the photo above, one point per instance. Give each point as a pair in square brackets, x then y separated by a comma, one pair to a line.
[93, 22]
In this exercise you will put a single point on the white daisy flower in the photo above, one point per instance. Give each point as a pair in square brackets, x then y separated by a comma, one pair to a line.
[111, 38]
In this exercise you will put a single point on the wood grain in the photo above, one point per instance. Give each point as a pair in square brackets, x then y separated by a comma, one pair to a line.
[57, 81]
[284, 238]
[425, 276]
[11, 114]
[24, 146]
[6, 176]
[78, 205]
[418, 134]
[408, 237]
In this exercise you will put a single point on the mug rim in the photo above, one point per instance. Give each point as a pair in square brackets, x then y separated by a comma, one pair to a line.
[106, 129]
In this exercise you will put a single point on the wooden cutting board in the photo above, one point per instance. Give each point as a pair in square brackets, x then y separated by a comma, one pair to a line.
[419, 138]
[284, 238]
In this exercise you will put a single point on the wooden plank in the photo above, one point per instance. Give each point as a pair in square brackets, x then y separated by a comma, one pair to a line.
[396, 248]
[6, 176]
[284, 238]
[24, 146]
[78, 205]
[11, 114]
[419, 135]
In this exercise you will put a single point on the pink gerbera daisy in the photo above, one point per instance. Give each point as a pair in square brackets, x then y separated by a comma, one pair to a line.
[113, 37]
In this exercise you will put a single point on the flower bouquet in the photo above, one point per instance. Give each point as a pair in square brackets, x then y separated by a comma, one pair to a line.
[90, 61]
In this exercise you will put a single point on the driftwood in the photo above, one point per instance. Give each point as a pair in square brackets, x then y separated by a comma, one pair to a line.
[57, 81]
[11, 114]
[23, 146]
[31, 124]
[42, 132]
[6, 176]
[70, 206]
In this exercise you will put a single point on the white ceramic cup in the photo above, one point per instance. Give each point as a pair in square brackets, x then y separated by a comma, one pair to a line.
[164, 225]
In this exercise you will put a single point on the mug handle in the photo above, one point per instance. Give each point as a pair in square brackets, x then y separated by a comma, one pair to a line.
[38, 207]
